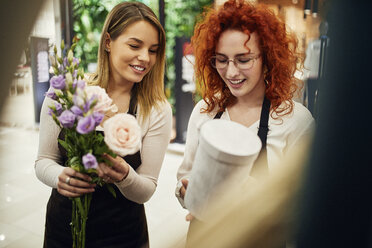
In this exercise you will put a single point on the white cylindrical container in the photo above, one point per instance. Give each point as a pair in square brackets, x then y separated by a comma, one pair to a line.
[226, 151]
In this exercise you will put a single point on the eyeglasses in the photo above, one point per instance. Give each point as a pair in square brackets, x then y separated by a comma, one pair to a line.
[242, 62]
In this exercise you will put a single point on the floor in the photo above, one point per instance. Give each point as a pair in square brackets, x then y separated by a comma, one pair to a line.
[23, 198]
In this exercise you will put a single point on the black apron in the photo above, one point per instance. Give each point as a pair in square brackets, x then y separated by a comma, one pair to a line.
[112, 222]
[262, 134]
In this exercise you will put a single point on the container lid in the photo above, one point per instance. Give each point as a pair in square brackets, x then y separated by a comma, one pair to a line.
[229, 141]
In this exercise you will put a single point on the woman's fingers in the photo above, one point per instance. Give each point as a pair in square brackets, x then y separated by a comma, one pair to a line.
[75, 188]
[69, 172]
[115, 162]
[117, 171]
[72, 183]
[109, 174]
[67, 193]
[77, 182]
[189, 217]
[182, 192]
[185, 182]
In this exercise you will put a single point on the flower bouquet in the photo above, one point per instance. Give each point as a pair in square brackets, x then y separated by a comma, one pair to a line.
[78, 109]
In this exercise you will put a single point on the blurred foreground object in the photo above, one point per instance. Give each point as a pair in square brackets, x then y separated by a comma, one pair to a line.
[336, 204]
[15, 26]
[259, 213]
[225, 155]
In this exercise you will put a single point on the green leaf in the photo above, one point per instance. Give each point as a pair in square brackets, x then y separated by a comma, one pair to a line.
[77, 167]
[100, 150]
[81, 142]
[65, 145]
[59, 59]
[98, 181]
[106, 161]
[112, 154]
[111, 189]
[73, 47]
[56, 71]
[92, 171]
[74, 160]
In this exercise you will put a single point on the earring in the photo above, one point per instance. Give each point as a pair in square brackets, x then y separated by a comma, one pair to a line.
[107, 50]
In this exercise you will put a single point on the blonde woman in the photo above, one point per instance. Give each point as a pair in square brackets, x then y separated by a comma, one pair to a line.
[130, 67]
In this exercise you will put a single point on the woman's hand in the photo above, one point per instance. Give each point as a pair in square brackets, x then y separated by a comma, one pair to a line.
[183, 189]
[117, 172]
[189, 217]
[184, 182]
[73, 184]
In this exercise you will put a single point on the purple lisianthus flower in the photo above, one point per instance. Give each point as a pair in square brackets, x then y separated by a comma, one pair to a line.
[50, 112]
[67, 119]
[61, 68]
[90, 161]
[88, 103]
[65, 62]
[79, 83]
[98, 117]
[78, 99]
[51, 94]
[86, 125]
[75, 61]
[76, 110]
[58, 82]
[59, 108]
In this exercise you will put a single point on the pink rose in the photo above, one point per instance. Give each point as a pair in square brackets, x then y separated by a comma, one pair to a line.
[122, 134]
[104, 101]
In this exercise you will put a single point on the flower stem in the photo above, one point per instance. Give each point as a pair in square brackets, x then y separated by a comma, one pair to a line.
[80, 210]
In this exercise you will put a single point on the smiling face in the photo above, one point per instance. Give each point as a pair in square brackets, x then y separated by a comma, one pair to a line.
[243, 83]
[133, 53]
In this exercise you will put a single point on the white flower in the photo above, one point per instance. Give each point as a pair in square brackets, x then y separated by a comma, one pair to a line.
[69, 79]
[122, 134]
[104, 102]
[79, 97]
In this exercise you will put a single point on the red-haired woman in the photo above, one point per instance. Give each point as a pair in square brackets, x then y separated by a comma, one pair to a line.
[245, 60]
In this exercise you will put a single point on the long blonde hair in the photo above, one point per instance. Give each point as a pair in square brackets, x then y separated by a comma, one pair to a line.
[150, 92]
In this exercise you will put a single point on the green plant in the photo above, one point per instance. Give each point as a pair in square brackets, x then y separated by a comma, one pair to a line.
[180, 19]
[89, 16]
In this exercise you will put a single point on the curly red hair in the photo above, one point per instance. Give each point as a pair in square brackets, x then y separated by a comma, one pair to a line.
[278, 49]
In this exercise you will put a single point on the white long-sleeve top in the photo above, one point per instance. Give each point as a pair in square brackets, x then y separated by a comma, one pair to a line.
[284, 134]
[140, 184]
